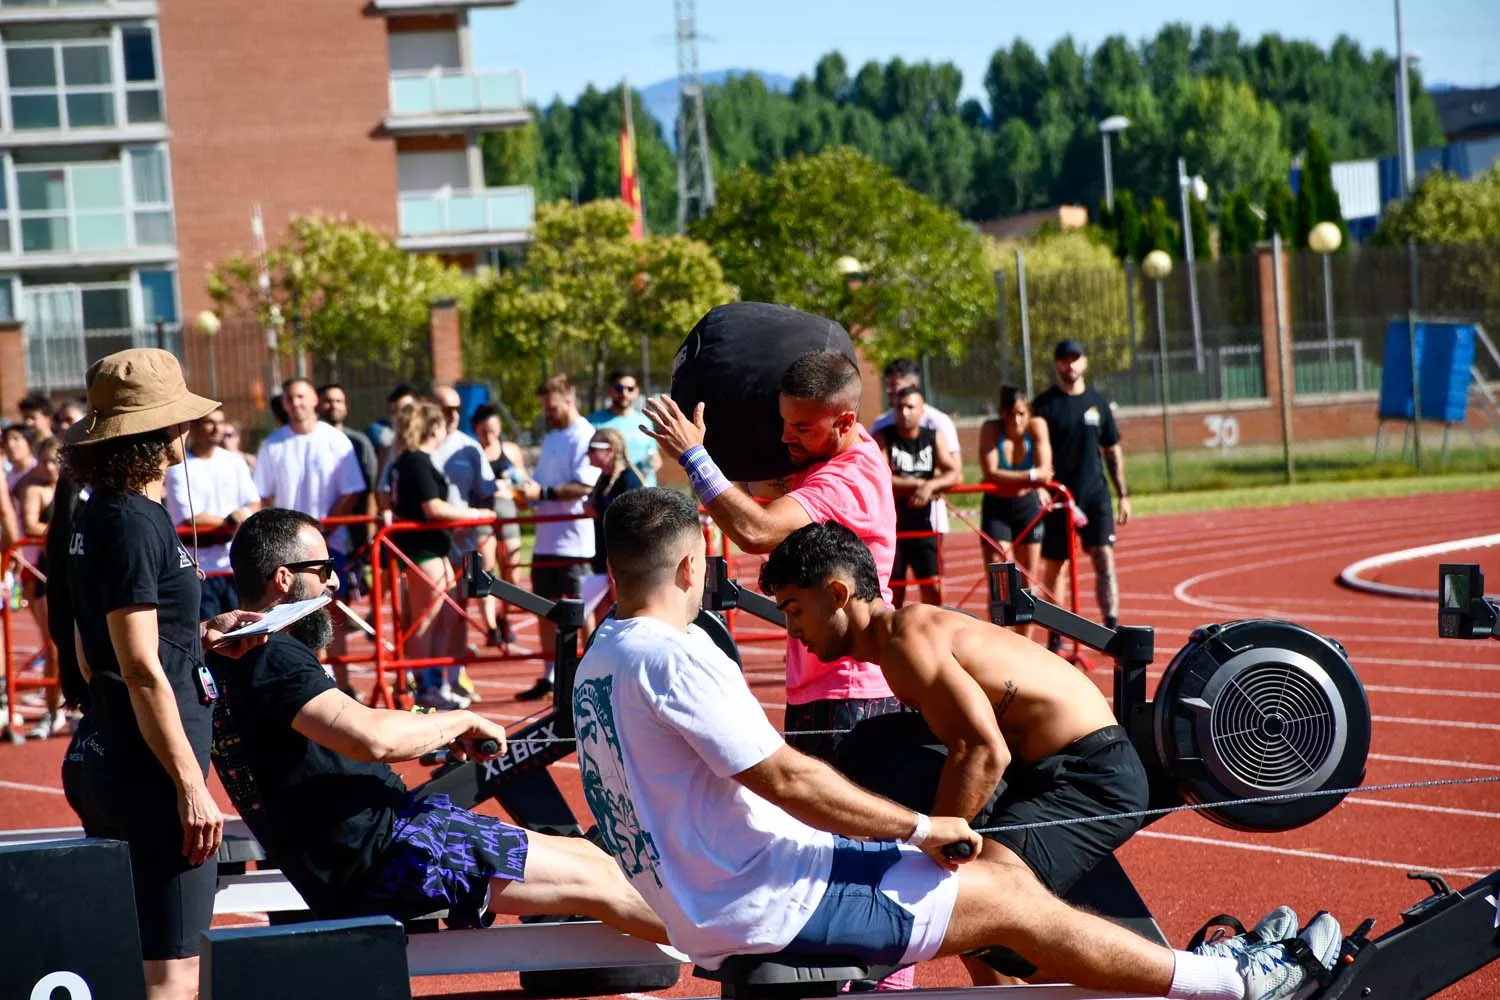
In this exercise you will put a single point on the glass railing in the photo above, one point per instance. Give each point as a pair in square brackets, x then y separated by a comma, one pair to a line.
[490, 210]
[446, 92]
[10, 4]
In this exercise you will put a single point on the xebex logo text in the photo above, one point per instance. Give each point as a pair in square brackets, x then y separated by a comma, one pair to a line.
[522, 750]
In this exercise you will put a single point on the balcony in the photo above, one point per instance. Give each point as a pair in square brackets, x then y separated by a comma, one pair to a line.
[456, 220]
[453, 100]
[52, 11]
[433, 6]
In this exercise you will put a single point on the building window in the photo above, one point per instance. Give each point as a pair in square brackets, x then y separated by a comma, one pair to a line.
[158, 296]
[79, 206]
[142, 76]
[152, 196]
[71, 84]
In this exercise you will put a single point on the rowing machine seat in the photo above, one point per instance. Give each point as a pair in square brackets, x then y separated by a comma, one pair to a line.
[788, 976]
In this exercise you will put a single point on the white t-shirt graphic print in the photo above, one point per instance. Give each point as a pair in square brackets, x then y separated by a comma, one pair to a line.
[664, 721]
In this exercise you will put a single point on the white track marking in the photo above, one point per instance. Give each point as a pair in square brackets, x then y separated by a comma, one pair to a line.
[22, 786]
[1434, 762]
[1434, 692]
[1422, 807]
[1385, 661]
[1441, 723]
[1298, 853]
[1351, 574]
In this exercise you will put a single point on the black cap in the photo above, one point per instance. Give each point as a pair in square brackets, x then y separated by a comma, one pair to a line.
[1068, 349]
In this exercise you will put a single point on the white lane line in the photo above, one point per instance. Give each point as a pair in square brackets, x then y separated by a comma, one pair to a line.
[22, 786]
[1351, 576]
[1297, 853]
[1435, 762]
[1440, 723]
[1421, 807]
[1435, 692]
[1387, 661]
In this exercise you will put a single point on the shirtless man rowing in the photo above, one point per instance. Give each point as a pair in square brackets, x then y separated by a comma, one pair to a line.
[1008, 733]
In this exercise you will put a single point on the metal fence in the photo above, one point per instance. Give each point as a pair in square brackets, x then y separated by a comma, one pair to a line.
[1340, 307]
[57, 358]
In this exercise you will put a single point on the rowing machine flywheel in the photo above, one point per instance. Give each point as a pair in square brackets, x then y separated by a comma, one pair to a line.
[1256, 708]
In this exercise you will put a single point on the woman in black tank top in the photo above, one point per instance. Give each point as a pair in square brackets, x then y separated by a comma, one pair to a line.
[1015, 456]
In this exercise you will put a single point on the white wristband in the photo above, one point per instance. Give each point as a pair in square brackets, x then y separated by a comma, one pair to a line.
[919, 832]
[1031, 474]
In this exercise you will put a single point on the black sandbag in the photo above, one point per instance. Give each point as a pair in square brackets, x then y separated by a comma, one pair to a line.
[733, 361]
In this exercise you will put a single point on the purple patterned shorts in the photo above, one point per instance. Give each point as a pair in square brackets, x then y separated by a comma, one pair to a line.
[818, 727]
[443, 857]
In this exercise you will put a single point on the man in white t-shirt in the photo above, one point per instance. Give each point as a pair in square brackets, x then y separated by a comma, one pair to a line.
[901, 374]
[212, 490]
[560, 483]
[743, 845]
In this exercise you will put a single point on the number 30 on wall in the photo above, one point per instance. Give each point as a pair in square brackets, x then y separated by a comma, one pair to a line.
[1223, 432]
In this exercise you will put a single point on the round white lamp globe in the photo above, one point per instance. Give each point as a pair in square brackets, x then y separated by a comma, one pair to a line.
[207, 323]
[1324, 237]
[1157, 265]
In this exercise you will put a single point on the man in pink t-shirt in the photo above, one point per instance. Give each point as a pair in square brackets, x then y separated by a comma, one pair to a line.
[845, 478]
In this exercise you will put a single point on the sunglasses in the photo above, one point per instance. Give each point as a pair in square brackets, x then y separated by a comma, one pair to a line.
[624, 387]
[322, 567]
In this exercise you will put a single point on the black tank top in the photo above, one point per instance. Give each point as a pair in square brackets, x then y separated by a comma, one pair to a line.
[915, 458]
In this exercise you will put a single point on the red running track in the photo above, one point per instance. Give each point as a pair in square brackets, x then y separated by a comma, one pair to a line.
[1434, 703]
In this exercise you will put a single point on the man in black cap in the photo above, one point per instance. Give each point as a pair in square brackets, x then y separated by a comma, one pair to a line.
[1085, 444]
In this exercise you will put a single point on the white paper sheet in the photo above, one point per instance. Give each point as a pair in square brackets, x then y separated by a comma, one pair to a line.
[276, 619]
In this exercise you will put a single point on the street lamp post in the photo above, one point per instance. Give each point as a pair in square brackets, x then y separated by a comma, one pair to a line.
[207, 323]
[1193, 187]
[1324, 239]
[1114, 123]
[1156, 266]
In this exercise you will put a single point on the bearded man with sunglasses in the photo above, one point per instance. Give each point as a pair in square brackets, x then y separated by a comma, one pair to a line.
[624, 415]
[307, 768]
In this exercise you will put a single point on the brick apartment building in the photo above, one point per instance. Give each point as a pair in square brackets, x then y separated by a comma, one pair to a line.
[137, 135]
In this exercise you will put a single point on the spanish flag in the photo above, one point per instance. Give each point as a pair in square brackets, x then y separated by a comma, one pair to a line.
[630, 190]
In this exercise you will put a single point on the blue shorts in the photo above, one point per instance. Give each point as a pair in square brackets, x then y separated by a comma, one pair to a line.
[886, 904]
[443, 857]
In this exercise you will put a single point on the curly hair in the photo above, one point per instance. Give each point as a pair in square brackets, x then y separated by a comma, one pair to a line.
[122, 464]
[814, 553]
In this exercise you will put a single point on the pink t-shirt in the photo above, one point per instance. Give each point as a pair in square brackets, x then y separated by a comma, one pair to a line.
[854, 489]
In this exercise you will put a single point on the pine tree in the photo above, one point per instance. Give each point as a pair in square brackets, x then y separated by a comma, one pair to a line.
[1203, 247]
[1239, 228]
[1278, 208]
[1159, 231]
[1318, 201]
[1127, 226]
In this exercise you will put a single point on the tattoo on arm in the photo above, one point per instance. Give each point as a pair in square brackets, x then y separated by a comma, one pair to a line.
[1005, 700]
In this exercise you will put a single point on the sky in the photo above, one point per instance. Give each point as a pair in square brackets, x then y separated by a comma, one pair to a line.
[563, 45]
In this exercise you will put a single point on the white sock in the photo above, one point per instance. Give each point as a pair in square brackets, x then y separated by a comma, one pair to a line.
[549, 671]
[1205, 977]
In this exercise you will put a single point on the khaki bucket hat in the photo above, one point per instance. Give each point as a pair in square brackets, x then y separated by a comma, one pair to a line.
[136, 391]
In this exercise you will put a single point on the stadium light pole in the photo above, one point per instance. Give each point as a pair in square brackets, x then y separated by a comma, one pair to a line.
[208, 324]
[1110, 125]
[1191, 187]
[1157, 265]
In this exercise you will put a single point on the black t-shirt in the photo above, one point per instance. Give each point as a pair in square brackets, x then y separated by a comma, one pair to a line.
[414, 481]
[599, 500]
[323, 818]
[914, 458]
[125, 552]
[1078, 426]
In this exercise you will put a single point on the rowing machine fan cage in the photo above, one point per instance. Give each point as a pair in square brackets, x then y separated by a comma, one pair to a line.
[1261, 707]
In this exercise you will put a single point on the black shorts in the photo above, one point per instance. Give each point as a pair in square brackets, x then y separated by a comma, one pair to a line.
[817, 727]
[174, 901]
[1099, 531]
[920, 555]
[1004, 518]
[556, 577]
[1098, 775]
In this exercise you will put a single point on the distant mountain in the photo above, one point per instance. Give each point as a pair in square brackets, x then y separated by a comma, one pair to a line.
[662, 99]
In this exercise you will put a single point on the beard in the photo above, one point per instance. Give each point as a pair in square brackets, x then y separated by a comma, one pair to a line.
[315, 631]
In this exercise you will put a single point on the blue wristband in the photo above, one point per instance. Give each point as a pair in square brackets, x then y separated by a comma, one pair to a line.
[703, 473]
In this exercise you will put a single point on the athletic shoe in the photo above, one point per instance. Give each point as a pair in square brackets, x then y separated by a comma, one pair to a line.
[465, 686]
[1278, 925]
[541, 689]
[52, 724]
[1294, 969]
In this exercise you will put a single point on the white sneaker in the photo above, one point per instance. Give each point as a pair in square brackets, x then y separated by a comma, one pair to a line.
[1278, 925]
[52, 724]
[1289, 970]
[442, 698]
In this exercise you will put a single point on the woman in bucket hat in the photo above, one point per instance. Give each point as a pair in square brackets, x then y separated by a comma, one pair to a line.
[136, 768]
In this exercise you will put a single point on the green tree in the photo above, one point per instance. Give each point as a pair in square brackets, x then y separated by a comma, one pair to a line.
[1075, 287]
[584, 298]
[1239, 228]
[339, 289]
[1278, 210]
[779, 234]
[1445, 210]
[1227, 135]
[1317, 201]
[1159, 231]
[1020, 157]
[1127, 225]
[1203, 246]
